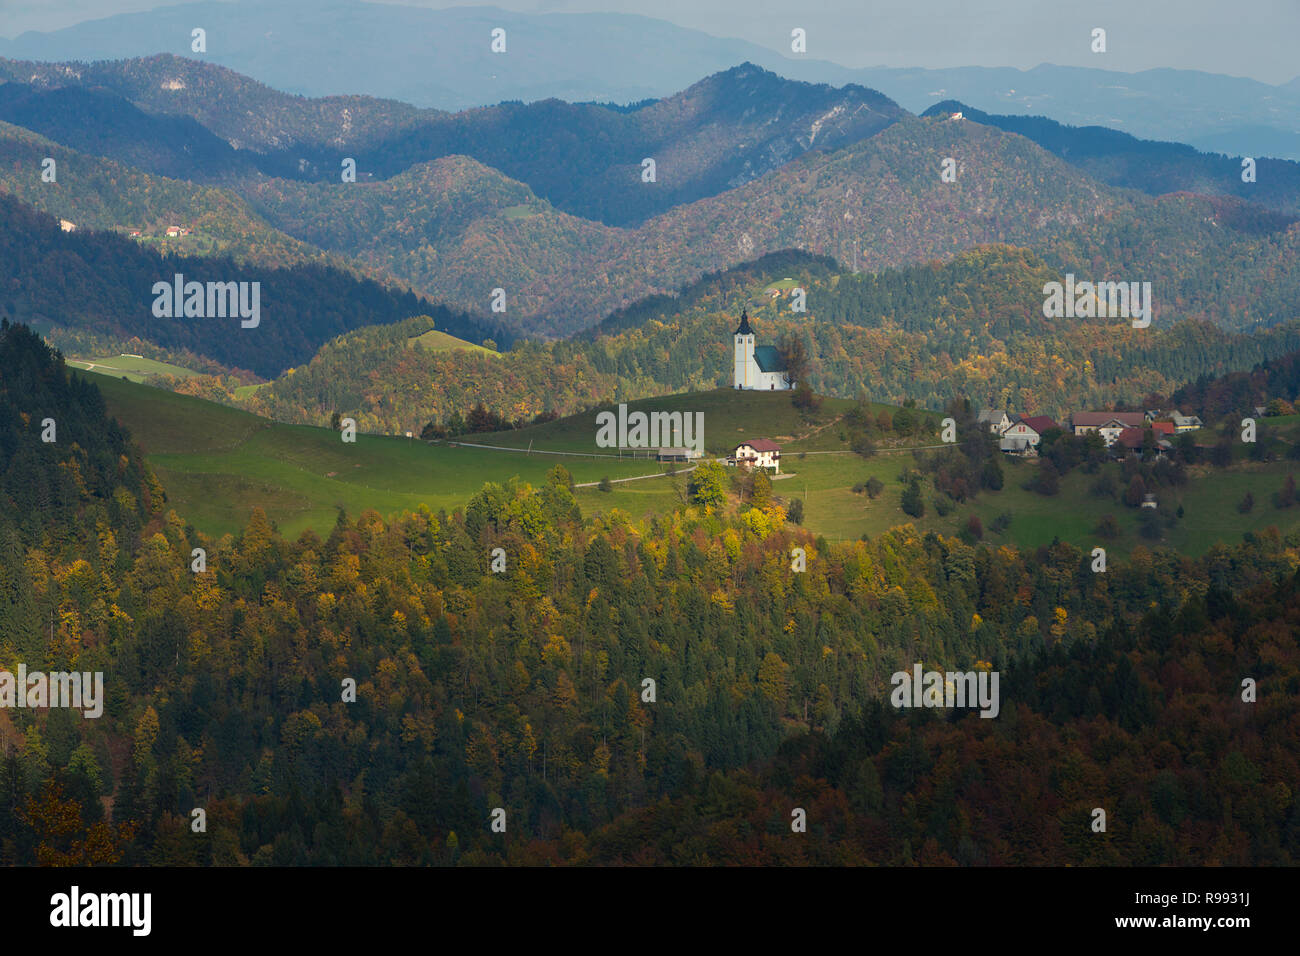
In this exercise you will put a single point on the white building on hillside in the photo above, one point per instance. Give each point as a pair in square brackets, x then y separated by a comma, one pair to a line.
[757, 367]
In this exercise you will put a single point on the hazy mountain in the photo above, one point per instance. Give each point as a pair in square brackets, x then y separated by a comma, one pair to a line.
[443, 58]
[1153, 167]
[104, 124]
[247, 114]
[457, 229]
[721, 132]
[427, 57]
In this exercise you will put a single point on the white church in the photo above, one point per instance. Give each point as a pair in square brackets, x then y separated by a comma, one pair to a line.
[758, 367]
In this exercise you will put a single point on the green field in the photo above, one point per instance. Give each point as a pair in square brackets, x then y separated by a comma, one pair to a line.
[435, 341]
[133, 367]
[730, 417]
[218, 463]
[243, 392]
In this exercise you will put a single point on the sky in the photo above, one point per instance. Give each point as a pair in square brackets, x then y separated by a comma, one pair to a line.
[1253, 38]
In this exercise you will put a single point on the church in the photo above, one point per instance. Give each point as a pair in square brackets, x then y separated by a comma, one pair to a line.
[758, 366]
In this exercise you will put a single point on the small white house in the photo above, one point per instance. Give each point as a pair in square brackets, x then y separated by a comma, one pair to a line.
[996, 420]
[67, 226]
[759, 453]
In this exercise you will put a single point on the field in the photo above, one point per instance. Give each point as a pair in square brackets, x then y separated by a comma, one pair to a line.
[218, 463]
[729, 418]
[133, 367]
[435, 341]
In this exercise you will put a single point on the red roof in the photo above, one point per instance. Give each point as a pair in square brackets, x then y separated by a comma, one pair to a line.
[759, 444]
[1039, 423]
[1131, 437]
[1163, 428]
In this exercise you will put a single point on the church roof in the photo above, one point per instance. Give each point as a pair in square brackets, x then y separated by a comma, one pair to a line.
[768, 358]
[744, 324]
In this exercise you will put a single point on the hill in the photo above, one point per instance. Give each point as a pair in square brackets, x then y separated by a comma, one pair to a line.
[97, 193]
[100, 123]
[218, 464]
[879, 201]
[971, 328]
[104, 283]
[1119, 159]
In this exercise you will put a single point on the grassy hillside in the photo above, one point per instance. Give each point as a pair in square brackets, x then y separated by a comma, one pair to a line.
[218, 463]
[133, 367]
[437, 341]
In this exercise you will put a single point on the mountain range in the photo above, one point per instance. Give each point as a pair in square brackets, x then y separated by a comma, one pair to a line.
[442, 58]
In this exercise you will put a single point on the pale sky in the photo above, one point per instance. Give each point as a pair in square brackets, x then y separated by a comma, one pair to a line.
[1254, 38]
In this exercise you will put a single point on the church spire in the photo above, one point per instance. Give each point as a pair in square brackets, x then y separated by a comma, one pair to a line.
[744, 324]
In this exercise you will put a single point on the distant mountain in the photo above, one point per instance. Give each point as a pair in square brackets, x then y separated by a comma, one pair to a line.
[1224, 114]
[721, 132]
[439, 58]
[98, 193]
[1153, 167]
[442, 58]
[457, 229]
[245, 113]
[104, 283]
[104, 124]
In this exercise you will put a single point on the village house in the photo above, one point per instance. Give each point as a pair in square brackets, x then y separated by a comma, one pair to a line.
[1023, 435]
[1134, 440]
[758, 453]
[996, 420]
[173, 231]
[67, 226]
[1185, 423]
[1107, 424]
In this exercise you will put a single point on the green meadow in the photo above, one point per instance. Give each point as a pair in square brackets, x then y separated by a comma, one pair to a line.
[132, 367]
[218, 463]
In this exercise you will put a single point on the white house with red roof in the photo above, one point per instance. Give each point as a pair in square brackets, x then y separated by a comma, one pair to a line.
[758, 453]
[1024, 433]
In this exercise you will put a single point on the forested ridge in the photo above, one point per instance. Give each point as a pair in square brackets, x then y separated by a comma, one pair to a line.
[103, 283]
[523, 689]
[972, 328]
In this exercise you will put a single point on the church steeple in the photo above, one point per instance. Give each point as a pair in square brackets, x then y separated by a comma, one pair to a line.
[744, 324]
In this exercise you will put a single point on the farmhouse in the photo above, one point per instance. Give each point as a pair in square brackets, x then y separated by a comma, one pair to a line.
[1023, 434]
[758, 367]
[1107, 424]
[996, 420]
[1185, 423]
[758, 453]
[1135, 440]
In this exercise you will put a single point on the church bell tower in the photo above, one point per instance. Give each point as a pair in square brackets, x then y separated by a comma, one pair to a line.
[744, 351]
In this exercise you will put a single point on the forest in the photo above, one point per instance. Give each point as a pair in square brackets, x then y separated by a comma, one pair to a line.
[525, 689]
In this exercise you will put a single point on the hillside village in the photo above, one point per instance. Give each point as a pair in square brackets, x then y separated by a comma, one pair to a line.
[1119, 431]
